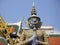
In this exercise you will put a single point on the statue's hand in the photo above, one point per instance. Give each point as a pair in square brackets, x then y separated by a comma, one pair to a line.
[37, 41]
[32, 38]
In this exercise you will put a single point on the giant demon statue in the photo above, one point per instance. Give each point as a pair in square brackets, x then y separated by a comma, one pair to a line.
[34, 36]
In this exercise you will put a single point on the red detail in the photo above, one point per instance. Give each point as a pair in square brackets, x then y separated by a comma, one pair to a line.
[54, 40]
[1, 43]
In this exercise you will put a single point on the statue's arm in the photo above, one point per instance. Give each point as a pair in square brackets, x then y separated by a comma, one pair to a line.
[22, 39]
[45, 42]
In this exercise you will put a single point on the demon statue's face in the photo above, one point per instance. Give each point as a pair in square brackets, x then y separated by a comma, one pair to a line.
[34, 22]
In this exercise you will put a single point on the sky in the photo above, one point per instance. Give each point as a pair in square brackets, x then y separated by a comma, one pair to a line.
[15, 10]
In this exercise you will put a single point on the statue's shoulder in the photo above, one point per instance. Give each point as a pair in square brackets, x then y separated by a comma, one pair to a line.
[40, 30]
[27, 31]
